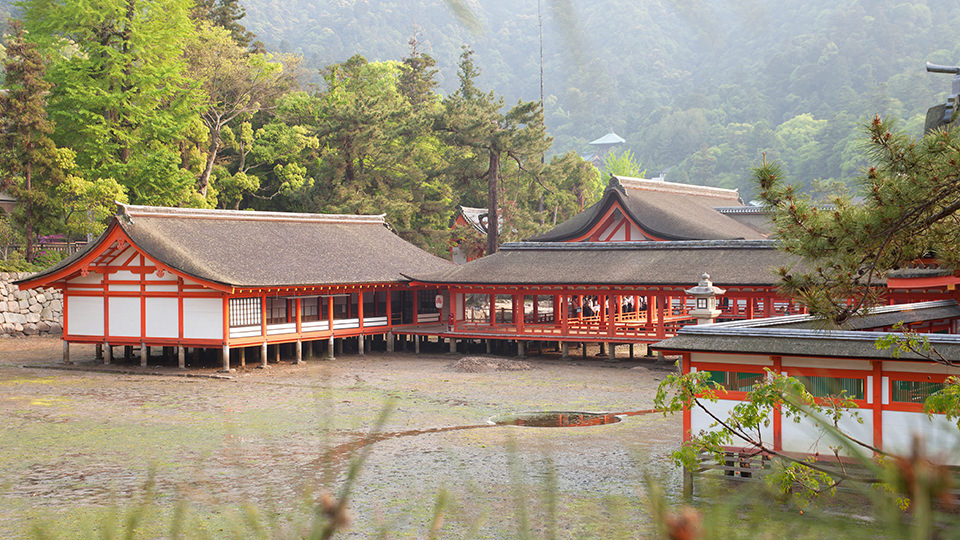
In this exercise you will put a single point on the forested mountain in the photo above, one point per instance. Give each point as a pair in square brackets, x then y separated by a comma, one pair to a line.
[697, 87]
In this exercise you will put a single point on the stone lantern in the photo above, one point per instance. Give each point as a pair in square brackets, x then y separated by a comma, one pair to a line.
[705, 295]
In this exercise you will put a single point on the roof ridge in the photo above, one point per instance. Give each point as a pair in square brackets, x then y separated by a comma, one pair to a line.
[667, 244]
[131, 211]
[646, 184]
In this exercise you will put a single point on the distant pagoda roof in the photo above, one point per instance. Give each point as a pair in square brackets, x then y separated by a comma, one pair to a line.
[609, 138]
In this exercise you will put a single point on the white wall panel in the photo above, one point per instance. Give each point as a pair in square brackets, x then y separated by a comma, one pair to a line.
[92, 277]
[807, 436]
[85, 315]
[700, 421]
[826, 363]
[941, 439]
[203, 318]
[125, 317]
[123, 275]
[752, 359]
[162, 317]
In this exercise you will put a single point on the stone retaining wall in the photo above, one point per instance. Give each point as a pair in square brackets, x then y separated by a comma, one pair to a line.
[29, 312]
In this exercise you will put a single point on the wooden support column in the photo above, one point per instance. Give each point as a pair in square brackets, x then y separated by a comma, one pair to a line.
[181, 357]
[390, 313]
[453, 345]
[98, 351]
[66, 352]
[389, 339]
[416, 344]
[416, 305]
[276, 352]
[777, 416]
[661, 327]
[564, 350]
[564, 315]
[299, 352]
[877, 404]
[767, 306]
[750, 307]
[263, 354]
[651, 307]
[493, 310]
[144, 354]
[611, 352]
[361, 344]
[518, 309]
[330, 346]
[225, 356]
[243, 357]
[614, 306]
[521, 349]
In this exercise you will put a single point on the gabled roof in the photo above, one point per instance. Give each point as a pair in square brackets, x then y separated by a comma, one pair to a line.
[474, 216]
[664, 210]
[265, 249]
[800, 335]
[729, 263]
[609, 138]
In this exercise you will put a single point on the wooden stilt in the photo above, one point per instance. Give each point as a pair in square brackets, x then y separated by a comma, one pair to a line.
[631, 351]
[225, 356]
[108, 353]
[243, 357]
[182, 357]
[361, 345]
[416, 344]
[339, 345]
[453, 345]
[583, 350]
[144, 354]
[299, 352]
[521, 349]
[98, 351]
[330, 348]
[489, 346]
[66, 352]
[611, 352]
[263, 354]
[564, 350]
[389, 342]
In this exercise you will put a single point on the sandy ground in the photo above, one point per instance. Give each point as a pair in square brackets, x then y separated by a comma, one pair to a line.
[75, 442]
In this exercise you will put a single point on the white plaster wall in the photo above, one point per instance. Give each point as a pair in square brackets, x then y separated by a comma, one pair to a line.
[755, 360]
[203, 318]
[807, 436]
[700, 420]
[162, 317]
[124, 275]
[919, 367]
[941, 439]
[124, 317]
[826, 363]
[92, 277]
[85, 314]
[115, 287]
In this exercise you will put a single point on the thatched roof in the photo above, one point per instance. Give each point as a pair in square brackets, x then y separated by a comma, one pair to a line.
[268, 249]
[729, 263]
[665, 210]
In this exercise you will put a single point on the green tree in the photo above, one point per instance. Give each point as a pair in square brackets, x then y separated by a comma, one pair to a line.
[121, 97]
[474, 121]
[29, 156]
[623, 164]
[911, 196]
[225, 14]
[235, 83]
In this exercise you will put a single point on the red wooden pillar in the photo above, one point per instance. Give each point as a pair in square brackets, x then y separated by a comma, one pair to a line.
[750, 307]
[580, 316]
[651, 306]
[564, 323]
[684, 368]
[602, 302]
[877, 404]
[330, 315]
[518, 310]
[777, 417]
[416, 306]
[768, 306]
[536, 308]
[299, 315]
[389, 308]
[360, 308]
[453, 310]
[661, 329]
[493, 310]
[614, 307]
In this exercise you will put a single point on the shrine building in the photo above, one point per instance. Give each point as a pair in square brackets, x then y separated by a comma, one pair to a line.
[237, 280]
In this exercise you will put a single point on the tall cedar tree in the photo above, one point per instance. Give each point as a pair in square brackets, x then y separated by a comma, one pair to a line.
[473, 120]
[29, 156]
[226, 14]
[909, 211]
